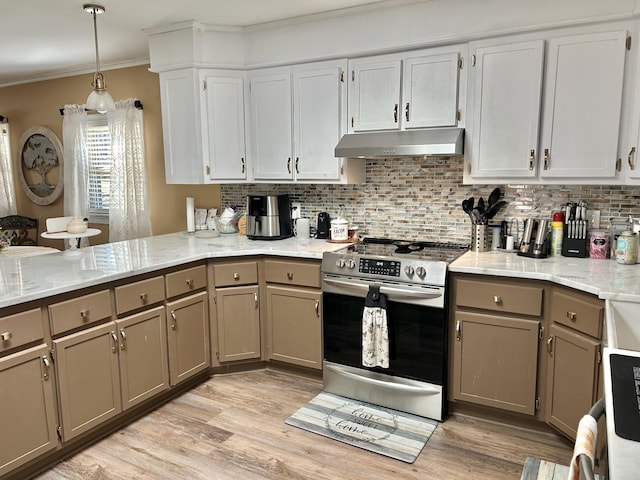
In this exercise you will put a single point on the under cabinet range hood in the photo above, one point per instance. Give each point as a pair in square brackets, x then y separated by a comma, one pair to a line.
[406, 143]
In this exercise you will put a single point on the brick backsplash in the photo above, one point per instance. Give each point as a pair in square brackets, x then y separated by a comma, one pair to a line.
[420, 199]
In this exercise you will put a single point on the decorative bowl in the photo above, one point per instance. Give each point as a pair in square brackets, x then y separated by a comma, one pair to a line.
[228, 225]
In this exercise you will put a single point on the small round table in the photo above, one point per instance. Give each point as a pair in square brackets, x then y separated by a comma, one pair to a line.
[89, 232]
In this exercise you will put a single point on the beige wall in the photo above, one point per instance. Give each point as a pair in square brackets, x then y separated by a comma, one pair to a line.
[38, 104]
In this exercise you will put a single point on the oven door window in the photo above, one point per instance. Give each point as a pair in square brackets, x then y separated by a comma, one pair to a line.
[416, 337]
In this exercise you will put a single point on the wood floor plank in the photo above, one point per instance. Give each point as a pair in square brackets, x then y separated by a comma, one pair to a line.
[232, 427]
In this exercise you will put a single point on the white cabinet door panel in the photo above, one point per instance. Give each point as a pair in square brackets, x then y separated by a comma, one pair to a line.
[505, 105]
[582, 104]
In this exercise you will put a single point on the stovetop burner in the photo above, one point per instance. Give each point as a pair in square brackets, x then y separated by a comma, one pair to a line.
[408, 246]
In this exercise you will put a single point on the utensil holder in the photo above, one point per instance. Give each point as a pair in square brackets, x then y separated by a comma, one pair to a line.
[478, 238]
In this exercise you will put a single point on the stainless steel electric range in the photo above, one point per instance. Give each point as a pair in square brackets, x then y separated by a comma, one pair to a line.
[412, 275]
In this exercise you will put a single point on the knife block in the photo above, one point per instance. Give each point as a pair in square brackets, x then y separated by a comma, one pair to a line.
[574, 247]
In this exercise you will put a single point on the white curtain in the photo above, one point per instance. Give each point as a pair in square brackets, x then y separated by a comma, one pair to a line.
[7, 189]
[129, 213]
[76, 163]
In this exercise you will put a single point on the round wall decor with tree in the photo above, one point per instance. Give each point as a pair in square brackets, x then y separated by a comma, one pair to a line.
[40, 165]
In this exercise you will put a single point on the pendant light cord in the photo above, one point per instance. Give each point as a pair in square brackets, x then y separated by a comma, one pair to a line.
[95, 36]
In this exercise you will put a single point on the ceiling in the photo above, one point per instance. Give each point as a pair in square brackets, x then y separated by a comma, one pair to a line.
[43, 39]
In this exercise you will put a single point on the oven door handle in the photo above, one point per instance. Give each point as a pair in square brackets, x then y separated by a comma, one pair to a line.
[399, 292]
[382, 383]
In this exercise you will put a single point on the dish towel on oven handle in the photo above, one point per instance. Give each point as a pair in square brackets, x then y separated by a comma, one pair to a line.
[375, 333]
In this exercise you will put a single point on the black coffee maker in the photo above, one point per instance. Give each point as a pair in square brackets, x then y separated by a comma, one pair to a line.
[324, 224]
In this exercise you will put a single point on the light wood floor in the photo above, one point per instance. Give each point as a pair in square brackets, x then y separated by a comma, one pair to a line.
[232, 427]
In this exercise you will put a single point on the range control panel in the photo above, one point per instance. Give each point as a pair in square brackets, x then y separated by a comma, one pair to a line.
[374, 266]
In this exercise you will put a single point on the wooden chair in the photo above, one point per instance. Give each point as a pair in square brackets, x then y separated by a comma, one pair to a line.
[21, 228]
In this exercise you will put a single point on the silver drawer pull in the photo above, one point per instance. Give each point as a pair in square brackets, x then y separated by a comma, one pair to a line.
[124, 339]
[173, 317]
[290, 275]
[189, 283]
[6, 336]
[236, 276]
[144, 297]
[573, 316]
[45, 362]
[84, 313]
[497, 299]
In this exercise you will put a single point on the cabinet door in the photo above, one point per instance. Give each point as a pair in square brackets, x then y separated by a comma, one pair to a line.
[572, 378]
[582, 105]
[144, 364]
[430, 91]
[88, 378]
[188, 337]
[504, 109]
[271, 126]
[27, 412]
[238, 312]
[294, 319]
[374, 94]
[318, 97]
[495, 361]
[223, 125]
[180, 102]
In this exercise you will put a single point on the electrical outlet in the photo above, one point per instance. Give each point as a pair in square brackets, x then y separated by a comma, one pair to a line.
[295, 210]
[593, 219]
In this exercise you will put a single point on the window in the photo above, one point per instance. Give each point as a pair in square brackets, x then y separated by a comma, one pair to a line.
[99, 151]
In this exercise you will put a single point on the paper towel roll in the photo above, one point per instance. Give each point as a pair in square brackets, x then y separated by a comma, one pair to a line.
[302, 228]
[191, 211]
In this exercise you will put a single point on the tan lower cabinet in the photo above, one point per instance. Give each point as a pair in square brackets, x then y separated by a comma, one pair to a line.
[238, 314]
[574, 353]
[495, 361]
[294, 318]
[188, 336]
[88, 378]
[144, 363]
[571, 378]
[27, 411]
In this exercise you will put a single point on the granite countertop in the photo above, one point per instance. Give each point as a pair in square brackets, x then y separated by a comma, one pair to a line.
[23, 279]
[605, 278]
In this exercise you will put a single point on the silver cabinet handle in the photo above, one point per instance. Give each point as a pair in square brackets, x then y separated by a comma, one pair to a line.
[242, 160]
[236, 276]
[289, 165]
[629, 158]
[84, 313]
[114, 346]
[6, 336]
[395, 113]
[297, 165]
[317, 307]
[290, 275]
[497, 299]
[572, 316]
[189, 283]
[124, 338]
[144, 297]
[255, 300]
[46, 363]
[532, 157]
[550, 345]
[546, 159]
[173, 316]
[458, 330]
[406, 111]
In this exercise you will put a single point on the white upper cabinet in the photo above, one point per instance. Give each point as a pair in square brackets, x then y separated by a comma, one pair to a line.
[374, 94]
[223, 125]
[271, 124]
[415, 89]
[570, 134]
[430, 91]
[582, 105]
[504, 108]
[297, 118]
[203, 126]
[180, 102]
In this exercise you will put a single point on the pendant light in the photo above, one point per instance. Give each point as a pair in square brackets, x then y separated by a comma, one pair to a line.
[99, 99]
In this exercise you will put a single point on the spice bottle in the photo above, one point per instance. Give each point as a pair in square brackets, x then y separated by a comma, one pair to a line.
[557, 227]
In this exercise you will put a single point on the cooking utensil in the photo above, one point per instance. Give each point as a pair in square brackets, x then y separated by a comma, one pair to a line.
[494, 196]
[481, 204]
[493, 210]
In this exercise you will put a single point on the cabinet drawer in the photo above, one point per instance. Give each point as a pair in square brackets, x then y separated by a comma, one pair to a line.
[139, 294]
[499, 297]
[186, 281]
[235, 274]
[21, 328]
[292, 273]
[80, 311]
[578, 311]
